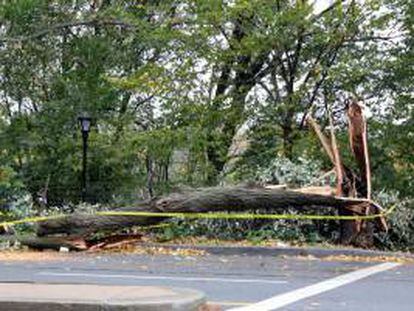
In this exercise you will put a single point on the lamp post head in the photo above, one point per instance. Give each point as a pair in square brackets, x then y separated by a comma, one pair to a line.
[85, 124]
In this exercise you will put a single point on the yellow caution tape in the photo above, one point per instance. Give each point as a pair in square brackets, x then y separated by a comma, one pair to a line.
[30, 219]
[245, 215]
[218, 215]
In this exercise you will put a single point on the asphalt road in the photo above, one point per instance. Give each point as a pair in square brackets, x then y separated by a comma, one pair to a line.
[237, 281]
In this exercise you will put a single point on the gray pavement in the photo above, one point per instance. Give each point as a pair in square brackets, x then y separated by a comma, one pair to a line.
[230, 281]
[85, 297]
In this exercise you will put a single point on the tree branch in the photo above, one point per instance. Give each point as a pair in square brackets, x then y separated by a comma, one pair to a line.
[326, 144]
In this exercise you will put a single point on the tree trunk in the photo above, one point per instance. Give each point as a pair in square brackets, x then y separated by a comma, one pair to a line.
[287, 141]
[359, 146]
[150, 176]
[246, 67]
[204, 200]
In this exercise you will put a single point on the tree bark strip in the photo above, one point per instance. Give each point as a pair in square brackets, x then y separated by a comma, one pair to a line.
[359, 145]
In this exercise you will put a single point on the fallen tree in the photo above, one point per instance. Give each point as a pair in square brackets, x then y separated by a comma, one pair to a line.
[352, 197]
[201, 201]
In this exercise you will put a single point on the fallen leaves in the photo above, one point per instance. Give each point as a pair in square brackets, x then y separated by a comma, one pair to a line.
[26, 255]
[346, 258]
[156, 250]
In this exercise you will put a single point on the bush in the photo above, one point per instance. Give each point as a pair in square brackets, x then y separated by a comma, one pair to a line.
[15, 201]
[401, 223]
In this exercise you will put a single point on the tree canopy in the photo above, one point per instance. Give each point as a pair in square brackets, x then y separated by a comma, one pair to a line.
[196, 92]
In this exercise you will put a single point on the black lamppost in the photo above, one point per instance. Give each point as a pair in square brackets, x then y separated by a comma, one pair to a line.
[85, 124]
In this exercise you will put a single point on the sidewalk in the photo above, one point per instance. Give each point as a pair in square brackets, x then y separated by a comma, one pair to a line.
[80, 297]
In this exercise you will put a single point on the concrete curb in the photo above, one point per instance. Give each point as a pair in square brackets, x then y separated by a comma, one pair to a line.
[284, 251]
[82, 297]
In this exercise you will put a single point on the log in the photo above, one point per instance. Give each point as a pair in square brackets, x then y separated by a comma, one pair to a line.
[40, 243]
[229, 199]
[76, 243]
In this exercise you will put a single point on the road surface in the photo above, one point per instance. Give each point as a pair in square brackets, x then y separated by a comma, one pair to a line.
[238, 281]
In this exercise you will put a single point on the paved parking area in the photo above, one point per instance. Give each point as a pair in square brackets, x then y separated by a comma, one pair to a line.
[237, 282]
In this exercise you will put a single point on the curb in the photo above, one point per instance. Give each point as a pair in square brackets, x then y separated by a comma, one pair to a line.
[84, 297]
[284, 251]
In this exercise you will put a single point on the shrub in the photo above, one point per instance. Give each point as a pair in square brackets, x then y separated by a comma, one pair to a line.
[15, 201]
[401, 223]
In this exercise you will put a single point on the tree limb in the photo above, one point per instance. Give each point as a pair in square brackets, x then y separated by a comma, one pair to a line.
[326, 144]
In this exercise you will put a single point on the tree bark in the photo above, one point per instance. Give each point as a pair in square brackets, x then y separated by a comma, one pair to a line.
[71, 243]
[359, 146]
[204, 200]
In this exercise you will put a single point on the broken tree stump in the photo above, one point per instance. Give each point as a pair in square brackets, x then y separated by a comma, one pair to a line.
[349, 183]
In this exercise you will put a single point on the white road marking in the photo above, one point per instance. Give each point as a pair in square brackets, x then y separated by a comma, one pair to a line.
[285, 299]
[160, 278]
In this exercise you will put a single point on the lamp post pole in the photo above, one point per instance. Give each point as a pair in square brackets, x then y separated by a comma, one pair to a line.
[85, 123]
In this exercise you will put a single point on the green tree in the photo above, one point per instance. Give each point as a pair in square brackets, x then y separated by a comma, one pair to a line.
[58, 60]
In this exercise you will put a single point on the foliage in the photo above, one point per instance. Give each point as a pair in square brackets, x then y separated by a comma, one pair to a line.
[283, 171]
[15, 201]
[401, 233]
